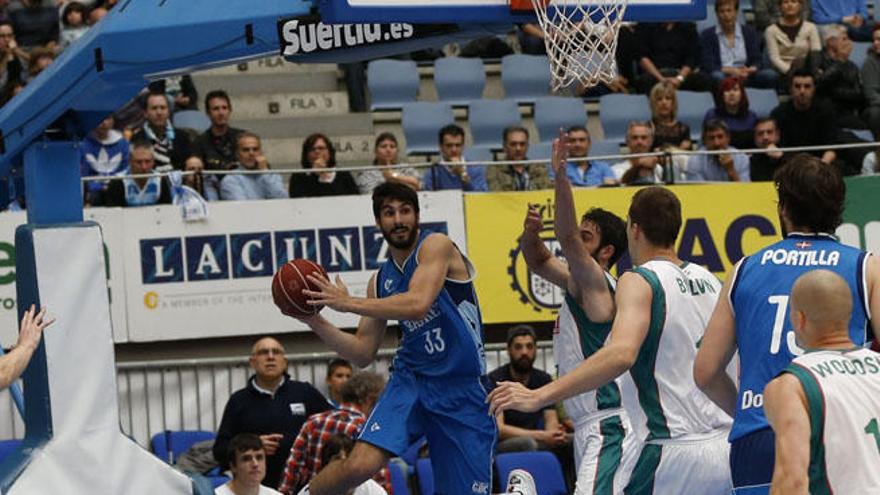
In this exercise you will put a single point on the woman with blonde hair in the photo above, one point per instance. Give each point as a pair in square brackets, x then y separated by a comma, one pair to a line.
[668, 130]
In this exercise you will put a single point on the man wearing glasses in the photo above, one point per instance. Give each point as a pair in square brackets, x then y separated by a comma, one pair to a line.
[272, 406]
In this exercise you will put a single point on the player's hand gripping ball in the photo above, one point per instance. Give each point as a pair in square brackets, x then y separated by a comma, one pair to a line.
[288, 284]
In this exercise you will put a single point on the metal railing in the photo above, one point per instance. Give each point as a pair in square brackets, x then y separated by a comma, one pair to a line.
[190, 394]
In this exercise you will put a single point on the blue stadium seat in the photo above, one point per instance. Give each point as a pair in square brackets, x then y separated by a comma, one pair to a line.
[478, 154]
[488, 118]
[168, 445]
[392, 83]
[762, 101]
[398, 479]
[543, 466]
[604, 147]
[553, 112]
[692, 107]
[421, 121]
[7, 447]
[425, 475]
[859, 53]
[191, 119]
[459, 80]
[540, 151]
[616, 111]
[525, 77]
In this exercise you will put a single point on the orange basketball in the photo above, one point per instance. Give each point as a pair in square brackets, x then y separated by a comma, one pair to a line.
[288, 284]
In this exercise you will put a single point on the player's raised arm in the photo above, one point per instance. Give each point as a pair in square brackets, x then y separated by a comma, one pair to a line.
[535, 253]
[586, 272]
[360, 348]
[434, 256]
[786, 408]
[630, 327]
[716, 350]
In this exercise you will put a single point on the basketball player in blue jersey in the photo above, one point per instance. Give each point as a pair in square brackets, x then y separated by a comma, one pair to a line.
[752, 314]
[436, 388]
[661, 310]
[605, 445]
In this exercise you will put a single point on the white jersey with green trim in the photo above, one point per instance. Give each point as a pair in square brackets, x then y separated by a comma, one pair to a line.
[843, 398]
[683, 298]
[575, 338]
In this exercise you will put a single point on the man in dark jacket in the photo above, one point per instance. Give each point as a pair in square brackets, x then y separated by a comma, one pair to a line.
[732, 49]
[272, 406]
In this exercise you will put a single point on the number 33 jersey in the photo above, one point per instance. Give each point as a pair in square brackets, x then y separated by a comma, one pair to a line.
[759, 296]
[448, 341]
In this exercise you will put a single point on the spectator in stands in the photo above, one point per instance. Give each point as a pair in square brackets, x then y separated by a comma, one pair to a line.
[338, 447]
[733, 49]
[805, 120]
[386, 153]
[359, 395]
[338, 373]
[142, 191]
[243, 187]
[541, 430]
[452, 172]
[853, 14]
[732, 108]
[103, 152]
[642, 170]
[73, 23]
[13, 60]
[670, 52]
[40, 58]
[531, 39]
[247, 463]
[271, 405]
[727, 167]
[626, 56]
[36, 24]
[791, 38]
[762, 166]
[216, 146]
[518, 177]
[171, 148]
[838, 79]
[582, 172]
[208, 186]
[319, 154]
[870, 84]
[768, 12]
[669, 132]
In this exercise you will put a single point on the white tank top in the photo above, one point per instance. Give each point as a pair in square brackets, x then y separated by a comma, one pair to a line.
[683, 300]
[843, 399]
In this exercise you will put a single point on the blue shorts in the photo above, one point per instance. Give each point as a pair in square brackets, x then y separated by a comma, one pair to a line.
[751, 462]
[452, 414]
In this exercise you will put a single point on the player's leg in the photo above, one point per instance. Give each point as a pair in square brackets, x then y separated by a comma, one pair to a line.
[604, 445]
[461, 437]
[388, 431]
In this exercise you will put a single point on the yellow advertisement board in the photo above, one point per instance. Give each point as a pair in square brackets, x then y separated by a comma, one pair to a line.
[720, 224]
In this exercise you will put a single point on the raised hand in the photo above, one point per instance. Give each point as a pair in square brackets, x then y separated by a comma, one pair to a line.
[534, 221]
[335, 296]
[559, 156]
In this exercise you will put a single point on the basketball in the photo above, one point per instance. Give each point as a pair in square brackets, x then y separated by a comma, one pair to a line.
[288, 284]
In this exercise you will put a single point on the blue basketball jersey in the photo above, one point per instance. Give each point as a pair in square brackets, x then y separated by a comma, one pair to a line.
[759, 295]
[448, 341]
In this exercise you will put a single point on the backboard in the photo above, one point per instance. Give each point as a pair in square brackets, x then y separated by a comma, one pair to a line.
[485, 11]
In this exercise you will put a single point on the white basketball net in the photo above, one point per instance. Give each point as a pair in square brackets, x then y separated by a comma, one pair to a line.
[581, 39]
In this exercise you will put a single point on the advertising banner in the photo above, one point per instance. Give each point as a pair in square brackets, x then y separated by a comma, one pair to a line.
[720, 224]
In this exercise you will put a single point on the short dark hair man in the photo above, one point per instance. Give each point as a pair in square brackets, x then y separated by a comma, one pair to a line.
[247, 462]
[805, 120]
[732, 167]
[520, 176]
[338, 373]
[140, 191]
[751, 313]
[641, 170]
[171, 147]
[583, 172]
[272, 406]
[762, 166]
[451, 172]
[216, 146]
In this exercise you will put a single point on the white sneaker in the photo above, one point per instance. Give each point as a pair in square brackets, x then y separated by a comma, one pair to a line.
[521, 482]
